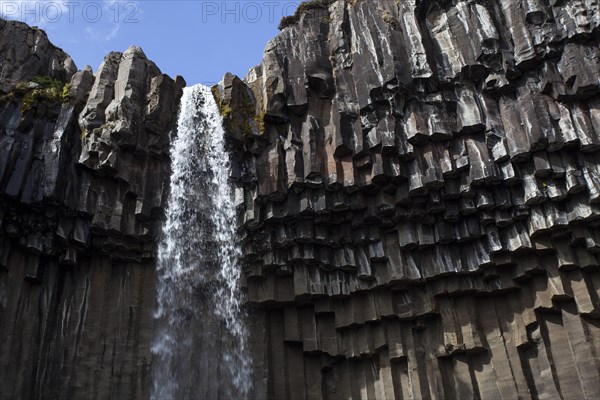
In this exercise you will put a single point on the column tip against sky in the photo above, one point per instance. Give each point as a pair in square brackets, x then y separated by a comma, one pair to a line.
[198, 39]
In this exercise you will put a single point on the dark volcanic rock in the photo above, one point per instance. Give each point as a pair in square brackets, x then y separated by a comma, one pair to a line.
[26, 53]
[82, 190]
[238, 106]
[421, 212]
[418, 184]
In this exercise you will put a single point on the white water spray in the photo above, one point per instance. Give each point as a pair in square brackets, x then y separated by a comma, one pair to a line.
[200, 343]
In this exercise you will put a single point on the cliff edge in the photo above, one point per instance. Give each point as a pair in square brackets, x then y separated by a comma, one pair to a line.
[420, 209]
[84, 167]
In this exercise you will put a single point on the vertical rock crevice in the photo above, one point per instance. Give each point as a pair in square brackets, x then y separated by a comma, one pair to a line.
[428, 229]
[84, 168]
[417, 189]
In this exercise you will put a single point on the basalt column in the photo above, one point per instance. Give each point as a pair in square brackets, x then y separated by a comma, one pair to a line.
[84, 168]
[419, 188]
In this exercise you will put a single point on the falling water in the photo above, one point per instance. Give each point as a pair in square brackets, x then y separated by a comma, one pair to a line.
[200, 344]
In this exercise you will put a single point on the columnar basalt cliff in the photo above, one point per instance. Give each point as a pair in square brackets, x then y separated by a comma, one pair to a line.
[421, 209]
[26, 53]
[82, 190]
[417, 183]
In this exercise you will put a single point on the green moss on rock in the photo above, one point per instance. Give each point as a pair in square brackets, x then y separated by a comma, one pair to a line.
[389, 19]
[302, 9]
[239, 112]
[224, 109]
[45, 90]
[260, 121]
[313, 5]
[65, 95]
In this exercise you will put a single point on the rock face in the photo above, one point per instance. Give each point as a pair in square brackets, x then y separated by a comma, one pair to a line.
[82, 190]
[420, 213]
[26, 53]
[417, 185]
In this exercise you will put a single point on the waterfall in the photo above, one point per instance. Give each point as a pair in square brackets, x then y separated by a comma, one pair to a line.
[200, 343]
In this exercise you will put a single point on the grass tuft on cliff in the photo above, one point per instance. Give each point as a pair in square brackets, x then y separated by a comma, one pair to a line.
[45, 90]
[303, 8]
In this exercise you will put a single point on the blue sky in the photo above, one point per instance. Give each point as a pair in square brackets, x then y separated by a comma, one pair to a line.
[198, 39]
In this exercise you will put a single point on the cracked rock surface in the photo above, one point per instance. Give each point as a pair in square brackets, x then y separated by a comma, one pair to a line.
[83, 185]
[418, 186]
[420, 213]
[26, 53]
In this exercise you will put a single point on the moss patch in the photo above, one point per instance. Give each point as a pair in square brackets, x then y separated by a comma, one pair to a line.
[224, 109]
[8, 98]
[65, 95]
[302, 9]
[389, 19]
[238, 117]
[260, 121]
[313, 5]
[48, 91]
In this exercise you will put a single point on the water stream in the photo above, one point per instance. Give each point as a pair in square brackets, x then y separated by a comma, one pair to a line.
[200, 342]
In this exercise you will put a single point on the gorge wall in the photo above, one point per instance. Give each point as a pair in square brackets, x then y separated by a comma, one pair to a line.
[83, 175]
[421, 208]
[417, 185]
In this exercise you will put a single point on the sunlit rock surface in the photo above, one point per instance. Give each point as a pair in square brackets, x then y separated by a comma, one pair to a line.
[82, 190]
[417, 187]
[421, 211]
[26, 53]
